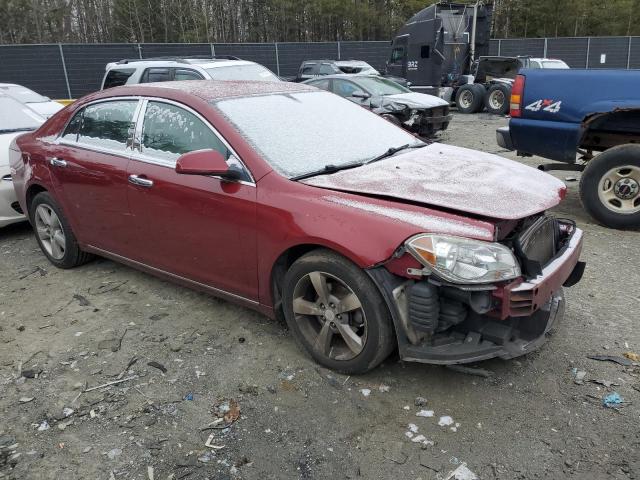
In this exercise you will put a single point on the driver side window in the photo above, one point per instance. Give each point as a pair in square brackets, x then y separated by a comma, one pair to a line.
[168, 131]
[344, 88]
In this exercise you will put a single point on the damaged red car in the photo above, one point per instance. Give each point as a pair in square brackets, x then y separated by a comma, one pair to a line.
[296, 202]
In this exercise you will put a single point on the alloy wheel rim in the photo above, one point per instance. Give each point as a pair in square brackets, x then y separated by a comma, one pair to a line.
[466, 99]
[330, 316]
[619, 189]
[496, 99]
[50, 231]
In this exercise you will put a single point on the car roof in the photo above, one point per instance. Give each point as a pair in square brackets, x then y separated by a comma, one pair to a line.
[352, 62]
[342, 76]
[11, 85]
[207, 90]
[200, 62]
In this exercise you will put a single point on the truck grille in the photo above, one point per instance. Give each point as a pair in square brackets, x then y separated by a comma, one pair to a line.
[537, 244]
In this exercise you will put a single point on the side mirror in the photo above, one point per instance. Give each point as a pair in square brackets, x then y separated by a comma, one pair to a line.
[206, 162]
[360, 94]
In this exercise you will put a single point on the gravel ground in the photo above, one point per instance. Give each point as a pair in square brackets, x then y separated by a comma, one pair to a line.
[103, 322]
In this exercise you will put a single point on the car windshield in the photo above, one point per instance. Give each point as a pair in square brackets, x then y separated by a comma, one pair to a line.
[242, 72]
[22, 94]
[304, 132]
[16, 117]
[381, 86]
[554, 64]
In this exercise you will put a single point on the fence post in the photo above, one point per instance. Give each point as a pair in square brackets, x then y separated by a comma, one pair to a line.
[213, 50]
[588, 49]
[499, 46]
[64, 69]
[139, 47]
[339, 51]
[277, 59]
[545, 47]
[629, 54]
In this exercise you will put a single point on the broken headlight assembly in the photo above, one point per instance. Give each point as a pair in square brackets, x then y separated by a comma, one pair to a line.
[461, 260]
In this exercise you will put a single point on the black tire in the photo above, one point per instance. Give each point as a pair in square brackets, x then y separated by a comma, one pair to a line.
[626, 160]
[470, 98]
[378, 341]
[497, 99]
[72, 256]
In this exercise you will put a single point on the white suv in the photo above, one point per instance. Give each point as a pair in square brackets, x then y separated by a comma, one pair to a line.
[130, 72]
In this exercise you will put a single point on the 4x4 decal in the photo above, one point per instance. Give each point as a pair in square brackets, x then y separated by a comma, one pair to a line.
[545, 105]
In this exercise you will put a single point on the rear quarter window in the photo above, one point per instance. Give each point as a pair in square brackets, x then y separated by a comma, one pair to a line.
[117, 77]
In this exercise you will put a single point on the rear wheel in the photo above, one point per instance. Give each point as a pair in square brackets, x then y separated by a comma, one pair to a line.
[497, 99]
[54, 234]
[610, 187]
[469, 98]
[336, 313]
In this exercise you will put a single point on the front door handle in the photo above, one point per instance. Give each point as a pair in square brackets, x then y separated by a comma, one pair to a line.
[57, 162]
[140, 181]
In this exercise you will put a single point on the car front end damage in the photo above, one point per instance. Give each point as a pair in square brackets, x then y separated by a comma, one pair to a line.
[424, 121]
[442, 319]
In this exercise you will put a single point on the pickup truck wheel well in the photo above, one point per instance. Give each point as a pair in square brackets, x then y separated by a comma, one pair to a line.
[602, 131]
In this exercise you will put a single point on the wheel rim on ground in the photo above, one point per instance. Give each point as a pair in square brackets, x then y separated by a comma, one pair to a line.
[619, 189]
[466, 99]
[50, 231]
[330, 316]
[496, 99]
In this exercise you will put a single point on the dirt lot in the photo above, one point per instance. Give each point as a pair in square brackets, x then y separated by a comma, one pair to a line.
[103, 322]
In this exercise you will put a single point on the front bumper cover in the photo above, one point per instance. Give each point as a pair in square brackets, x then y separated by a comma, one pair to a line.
[490, 335]
[8, 201]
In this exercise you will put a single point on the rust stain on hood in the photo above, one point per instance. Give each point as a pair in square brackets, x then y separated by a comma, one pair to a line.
[454, 178]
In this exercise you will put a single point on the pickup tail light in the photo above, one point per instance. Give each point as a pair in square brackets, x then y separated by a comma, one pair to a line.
[517, 92]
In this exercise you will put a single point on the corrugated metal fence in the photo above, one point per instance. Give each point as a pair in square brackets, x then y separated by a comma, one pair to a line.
[73, 70]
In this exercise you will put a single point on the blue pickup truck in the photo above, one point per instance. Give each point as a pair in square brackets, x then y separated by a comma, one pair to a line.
[590, 121]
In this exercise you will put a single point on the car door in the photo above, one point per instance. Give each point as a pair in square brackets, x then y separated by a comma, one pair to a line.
[88, 163]
[194, 226]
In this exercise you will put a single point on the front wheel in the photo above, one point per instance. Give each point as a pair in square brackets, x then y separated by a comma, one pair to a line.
[336, 313]
[610, 187]
[54, 234]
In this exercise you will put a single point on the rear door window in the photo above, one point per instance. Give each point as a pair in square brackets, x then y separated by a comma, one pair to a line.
[169, 131]
[156, 74]
[328, 69]
[73, 127]
[107, 125]
[344, 88]
[117, 77]
[186, 74]
[323, 84]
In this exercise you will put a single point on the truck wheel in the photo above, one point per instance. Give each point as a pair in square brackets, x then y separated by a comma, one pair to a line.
[610, 187]
[469, 98]
[497, 99]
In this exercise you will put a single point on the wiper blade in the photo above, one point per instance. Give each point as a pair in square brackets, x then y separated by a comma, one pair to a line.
[13, 130]
[393, 150]
[327, 169]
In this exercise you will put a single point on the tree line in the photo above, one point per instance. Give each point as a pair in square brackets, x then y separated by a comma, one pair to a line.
[160, 21]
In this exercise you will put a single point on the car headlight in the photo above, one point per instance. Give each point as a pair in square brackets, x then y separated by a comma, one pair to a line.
[461, 260]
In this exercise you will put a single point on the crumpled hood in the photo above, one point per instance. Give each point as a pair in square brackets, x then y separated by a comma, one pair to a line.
[454, 178]
[417, 100]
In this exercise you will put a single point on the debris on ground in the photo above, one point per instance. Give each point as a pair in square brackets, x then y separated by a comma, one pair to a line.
[420, 402]
[604, 383]
[425, 413]
[611, 358]
[227, 410]
[365, 392]
[570, 179]
[383, 388]
[157, 365]
[26, 399]
[188, 397]
[108, 384]
[44, 425]
[210, 445]
[612, 400]
[478, 372]
[461, 473]
[634, 357]
[249, 389]
[111, 454]
[445, 421]
[579, 376]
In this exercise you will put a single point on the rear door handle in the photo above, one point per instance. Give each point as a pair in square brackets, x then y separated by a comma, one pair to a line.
[140, 181]
[57, 162]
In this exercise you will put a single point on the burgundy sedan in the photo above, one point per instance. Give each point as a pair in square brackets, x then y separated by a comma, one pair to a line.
[296, 202]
